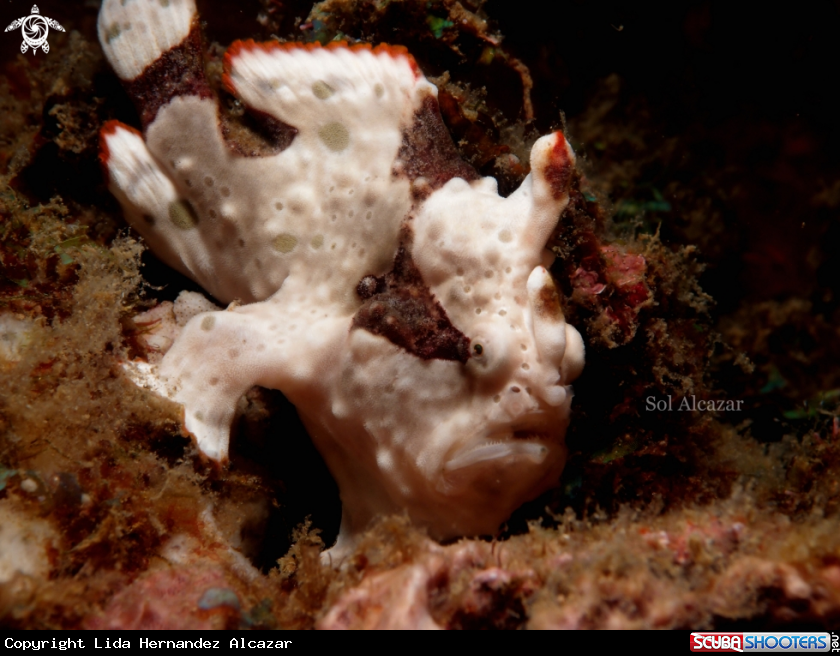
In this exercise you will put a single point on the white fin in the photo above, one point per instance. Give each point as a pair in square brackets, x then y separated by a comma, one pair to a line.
[151, 202]
[135, 33]
[339, 96]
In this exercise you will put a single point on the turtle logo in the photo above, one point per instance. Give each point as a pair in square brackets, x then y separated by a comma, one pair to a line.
[35, 29]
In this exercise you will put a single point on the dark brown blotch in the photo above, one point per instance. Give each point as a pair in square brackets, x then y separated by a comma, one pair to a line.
[177, 72]
[428, 152]
[400, 307]
[558, 172]
[253, 133]
[547, 303]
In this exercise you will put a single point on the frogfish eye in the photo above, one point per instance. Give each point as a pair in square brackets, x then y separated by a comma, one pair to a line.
[478, 349]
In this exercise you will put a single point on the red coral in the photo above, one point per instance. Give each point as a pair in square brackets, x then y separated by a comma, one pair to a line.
[611, 282]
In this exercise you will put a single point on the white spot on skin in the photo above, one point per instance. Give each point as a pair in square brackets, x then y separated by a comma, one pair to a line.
[335, 136]
[285, 243]
[182, 215]
[322, 90]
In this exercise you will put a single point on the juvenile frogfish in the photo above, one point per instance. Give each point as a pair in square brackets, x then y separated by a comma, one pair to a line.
[372, 276]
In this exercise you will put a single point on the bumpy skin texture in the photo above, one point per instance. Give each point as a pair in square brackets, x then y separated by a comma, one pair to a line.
[393, 296]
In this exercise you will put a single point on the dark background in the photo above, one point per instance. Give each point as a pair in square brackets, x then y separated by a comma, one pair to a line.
[726, 110]
[748, 92]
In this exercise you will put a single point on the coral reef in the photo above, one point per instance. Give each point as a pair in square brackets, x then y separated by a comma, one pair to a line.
[696, 259]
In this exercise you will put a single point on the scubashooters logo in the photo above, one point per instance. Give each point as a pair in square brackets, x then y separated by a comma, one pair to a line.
[765, 642]
[35, 29]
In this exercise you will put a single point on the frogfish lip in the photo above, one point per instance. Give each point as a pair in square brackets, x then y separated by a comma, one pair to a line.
[526, 442]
